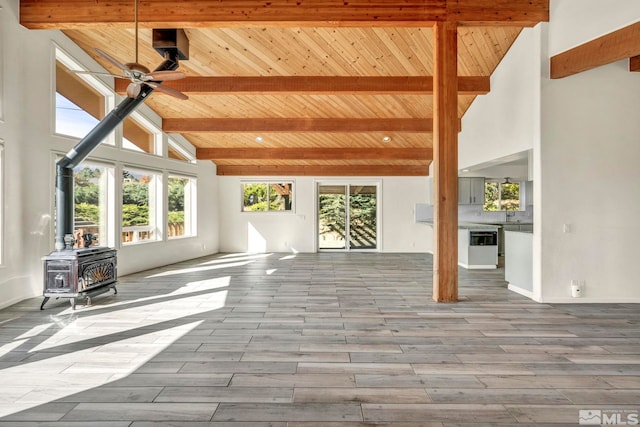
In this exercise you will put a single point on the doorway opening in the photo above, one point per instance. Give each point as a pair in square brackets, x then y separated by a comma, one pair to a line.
[347, 217]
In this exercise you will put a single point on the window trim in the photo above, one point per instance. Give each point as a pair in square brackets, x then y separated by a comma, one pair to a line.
[193, 196]
[158, 205]
[268, 183]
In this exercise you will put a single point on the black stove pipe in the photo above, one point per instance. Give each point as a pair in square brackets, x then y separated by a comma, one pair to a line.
[75, 156]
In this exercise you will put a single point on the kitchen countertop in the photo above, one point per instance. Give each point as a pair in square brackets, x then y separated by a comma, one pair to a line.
[469, 225]
[512, 222]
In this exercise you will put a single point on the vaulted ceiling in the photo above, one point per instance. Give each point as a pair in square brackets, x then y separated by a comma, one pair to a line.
[329, 87]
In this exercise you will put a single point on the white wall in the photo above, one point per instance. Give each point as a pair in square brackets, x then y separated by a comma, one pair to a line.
[284, 232]
[29, 145]
[400, 233]
[506, 120]
[266, 231]
[574, 22]
[589, 157]
[589, 163]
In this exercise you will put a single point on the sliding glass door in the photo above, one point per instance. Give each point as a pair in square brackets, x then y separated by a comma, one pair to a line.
[347, 217]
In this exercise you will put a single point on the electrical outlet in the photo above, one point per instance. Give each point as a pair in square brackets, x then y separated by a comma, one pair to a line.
[577, 288]
[566, 228]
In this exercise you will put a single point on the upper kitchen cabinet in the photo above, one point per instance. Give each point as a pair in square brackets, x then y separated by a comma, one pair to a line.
[471, 191]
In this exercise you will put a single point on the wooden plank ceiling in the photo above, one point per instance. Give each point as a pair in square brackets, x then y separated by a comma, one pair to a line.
[328, 93]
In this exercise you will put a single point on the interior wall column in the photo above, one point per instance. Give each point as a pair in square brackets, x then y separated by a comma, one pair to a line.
[445, 161]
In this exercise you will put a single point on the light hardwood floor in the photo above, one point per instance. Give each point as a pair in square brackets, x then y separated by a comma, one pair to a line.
[314, 340]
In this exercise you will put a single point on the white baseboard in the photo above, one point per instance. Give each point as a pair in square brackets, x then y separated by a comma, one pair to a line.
[477, 267]
[520, 291]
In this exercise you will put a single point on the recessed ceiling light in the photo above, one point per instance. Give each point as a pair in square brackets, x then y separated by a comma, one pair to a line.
[465, 170]
[259, 139]
[386, 139]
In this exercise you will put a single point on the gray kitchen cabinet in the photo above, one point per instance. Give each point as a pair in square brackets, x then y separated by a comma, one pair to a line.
[526, 227]
[471, 191]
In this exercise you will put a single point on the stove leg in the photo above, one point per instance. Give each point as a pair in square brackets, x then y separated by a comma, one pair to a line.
[115, 291]
[44, 301]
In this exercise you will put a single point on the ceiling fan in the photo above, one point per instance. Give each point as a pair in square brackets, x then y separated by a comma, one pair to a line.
[139, 74]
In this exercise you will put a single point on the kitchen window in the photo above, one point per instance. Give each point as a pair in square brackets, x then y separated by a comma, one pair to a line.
[501, 196]
[267, 196]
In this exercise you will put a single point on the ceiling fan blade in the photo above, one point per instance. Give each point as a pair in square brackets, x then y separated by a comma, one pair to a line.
[165, 75]
[96, 73]
[168, 90]
[133, 90]
[111, 59]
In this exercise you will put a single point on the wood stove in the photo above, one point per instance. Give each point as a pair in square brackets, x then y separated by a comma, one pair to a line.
[79, 274]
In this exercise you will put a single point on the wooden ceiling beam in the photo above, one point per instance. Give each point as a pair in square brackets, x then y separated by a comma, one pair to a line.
[196, 125]
[612, 47]
[82, 14]
[518, 13]
[476, 85]
[314, 153]
[325, 170]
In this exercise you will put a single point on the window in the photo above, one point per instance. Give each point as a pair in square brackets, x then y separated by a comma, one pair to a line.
[140, 213]
[1, 200]
[140, 135]
[177, 152]
[93, 197]
[501, 196]
[267, 196]
[2, 37]
[181, 206]
[81, 99]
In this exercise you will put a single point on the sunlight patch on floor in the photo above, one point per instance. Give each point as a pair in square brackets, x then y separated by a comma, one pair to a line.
[190, 287]
[33, 384]
[198, 269]
[87, 327]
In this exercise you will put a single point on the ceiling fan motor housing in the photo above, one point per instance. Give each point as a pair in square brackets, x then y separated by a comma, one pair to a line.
[171, 41]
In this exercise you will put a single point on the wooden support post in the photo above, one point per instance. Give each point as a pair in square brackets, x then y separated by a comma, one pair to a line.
[445, 162]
